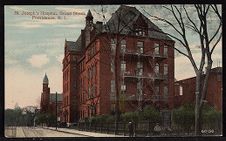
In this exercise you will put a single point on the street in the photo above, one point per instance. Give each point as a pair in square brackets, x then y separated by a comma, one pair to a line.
[12, 132]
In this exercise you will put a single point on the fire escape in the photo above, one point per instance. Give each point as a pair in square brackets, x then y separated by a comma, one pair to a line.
[150, 79]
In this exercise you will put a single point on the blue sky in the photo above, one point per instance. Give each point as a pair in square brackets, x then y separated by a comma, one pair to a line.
[35, 47]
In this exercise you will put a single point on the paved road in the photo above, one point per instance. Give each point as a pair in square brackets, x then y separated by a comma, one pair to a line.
[36, 132]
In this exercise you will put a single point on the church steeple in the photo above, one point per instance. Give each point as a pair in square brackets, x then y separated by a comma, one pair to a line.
[45, 80]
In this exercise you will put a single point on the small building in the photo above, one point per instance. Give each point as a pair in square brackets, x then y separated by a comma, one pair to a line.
[49, 100]
[185, 90]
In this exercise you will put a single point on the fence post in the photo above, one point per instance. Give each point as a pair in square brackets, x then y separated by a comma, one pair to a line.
[124, 125]
[101, 124]
[108, 128]
[135, 129]
[149, 127]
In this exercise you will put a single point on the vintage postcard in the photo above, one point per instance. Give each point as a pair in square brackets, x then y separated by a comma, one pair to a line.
[113, 70]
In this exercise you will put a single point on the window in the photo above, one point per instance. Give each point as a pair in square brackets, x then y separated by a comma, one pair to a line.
[165, 92]
[89, 91]
[139, 88]
[113, 44]
[165, 50]
[157, 90]
[165, 69]
[123, 87]
[140, 32]
[157, 68]
[181, 90]
[123, 66]
[139, 68]
[156, 47]
[140, 46]
[112, 86]
[112, 65]
[123, 45]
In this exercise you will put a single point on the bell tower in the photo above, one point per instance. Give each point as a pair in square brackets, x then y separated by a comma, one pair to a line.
[45, 94]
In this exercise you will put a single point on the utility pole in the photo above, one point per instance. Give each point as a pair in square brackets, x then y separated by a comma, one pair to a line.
[56, 110]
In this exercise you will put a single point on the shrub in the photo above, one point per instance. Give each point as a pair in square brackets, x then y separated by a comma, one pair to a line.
[130, 116]
[150, 113]
[184, 116]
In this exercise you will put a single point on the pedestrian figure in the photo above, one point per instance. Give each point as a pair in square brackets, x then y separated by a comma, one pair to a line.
[131, 129]
[157, 129]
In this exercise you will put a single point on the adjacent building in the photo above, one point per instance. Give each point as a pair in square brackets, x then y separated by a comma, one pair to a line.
[145, 66]
[49, 100]
[185, 90]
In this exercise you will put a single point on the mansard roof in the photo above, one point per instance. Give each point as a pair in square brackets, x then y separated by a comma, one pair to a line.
[128, 16]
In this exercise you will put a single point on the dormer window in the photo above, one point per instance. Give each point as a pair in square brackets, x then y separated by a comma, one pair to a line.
[140, 32]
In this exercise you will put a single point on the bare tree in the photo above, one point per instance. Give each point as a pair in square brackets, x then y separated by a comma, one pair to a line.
[201, 23]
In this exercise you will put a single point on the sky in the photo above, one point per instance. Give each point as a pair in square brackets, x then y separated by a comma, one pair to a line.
[34, 47]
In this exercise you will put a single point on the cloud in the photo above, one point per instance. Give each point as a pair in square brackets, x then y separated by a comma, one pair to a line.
[38, 60]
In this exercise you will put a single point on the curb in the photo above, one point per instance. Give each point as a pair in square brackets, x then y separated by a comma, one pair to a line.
[67, 132]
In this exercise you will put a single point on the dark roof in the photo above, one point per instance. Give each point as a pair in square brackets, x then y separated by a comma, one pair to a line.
[217, 69]
[73, 46]
[128, 15]
[45, 79]
[52, 97]
[89, 14]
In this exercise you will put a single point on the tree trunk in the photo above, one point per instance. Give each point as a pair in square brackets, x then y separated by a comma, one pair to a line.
[197, 105]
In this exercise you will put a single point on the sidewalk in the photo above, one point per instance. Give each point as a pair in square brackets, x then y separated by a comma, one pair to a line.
[88, 134]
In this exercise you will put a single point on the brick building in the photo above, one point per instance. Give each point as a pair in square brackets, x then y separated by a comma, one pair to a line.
[48, 100]
[185, 90]
[145, 66]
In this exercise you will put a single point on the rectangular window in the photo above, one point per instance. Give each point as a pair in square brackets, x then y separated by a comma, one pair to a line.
[123, 45]
[165, 92]
[140, 68]
[166, 51]
[113, 44]
[157, 90]
[181, 90]
[112, 86]
[89, 91]
[123, 87]
[156, 68]
[112, 65]
[156, 47]
[139, 88]
[165, 69]
[123, 66]
[140, 46]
